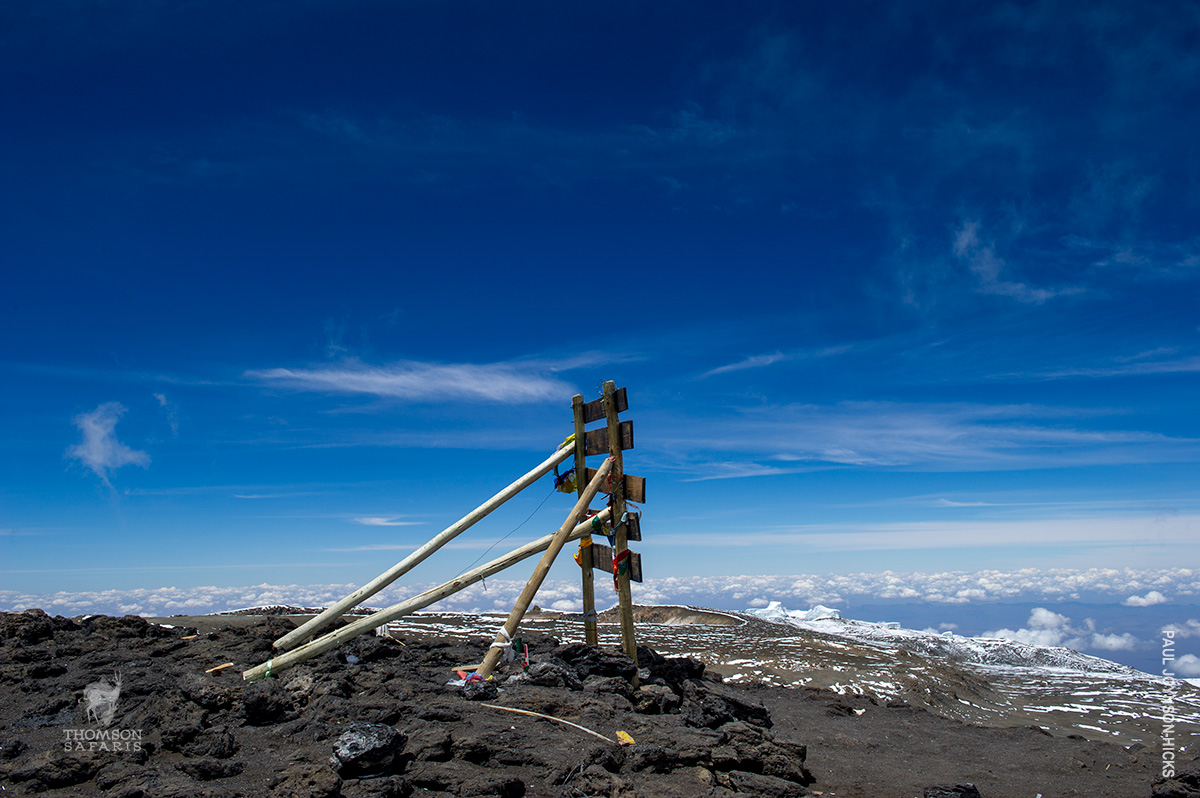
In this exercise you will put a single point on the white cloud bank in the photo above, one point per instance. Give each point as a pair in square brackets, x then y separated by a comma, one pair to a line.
[1100, 585]
[1187, 666]
[1191, 628]
[1148, 600]
[1048, 628]
[99, 449]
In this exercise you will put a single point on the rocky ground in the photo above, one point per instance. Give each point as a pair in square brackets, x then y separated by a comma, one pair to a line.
[377, 718]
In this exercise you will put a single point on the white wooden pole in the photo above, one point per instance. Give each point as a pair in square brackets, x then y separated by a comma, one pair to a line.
[294, 637]
[543, 567]
[409, 606]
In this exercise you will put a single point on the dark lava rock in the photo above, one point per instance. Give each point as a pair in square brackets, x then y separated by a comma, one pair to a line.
[45, 670]
[440, 713]
[429, 743]
[127, 627]
[709, 706]
[208, 769]
[748, 748]
[656, 699]
[216, 742]
[1184, 784]
[595, 780]
[613, 685]
[592, 661]
[120, 773]
[762, 786]
[550, 674]
[366, 748]
[208, 691]
[307, 781]
[181, 724]
[957, 791]
[265, 702]
[11, 749]
[26, 628]
[385, 787]
[480, 691]
[672, 670]
[47, 771]
[369, 648]
[505, 787]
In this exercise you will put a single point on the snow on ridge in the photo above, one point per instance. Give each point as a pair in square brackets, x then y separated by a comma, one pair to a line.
[986, 651]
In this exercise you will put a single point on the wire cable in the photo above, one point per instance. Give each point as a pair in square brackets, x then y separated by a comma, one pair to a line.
[509, 534]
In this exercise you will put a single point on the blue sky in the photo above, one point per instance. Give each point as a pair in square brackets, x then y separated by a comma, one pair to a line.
[288, 287]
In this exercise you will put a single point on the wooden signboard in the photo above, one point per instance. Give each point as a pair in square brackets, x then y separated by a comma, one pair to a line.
[602, 557]
[635, 487]
[594, 410]
[633, 525]
[597, 440]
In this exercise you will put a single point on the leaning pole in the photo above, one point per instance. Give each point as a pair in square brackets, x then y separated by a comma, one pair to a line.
[294, 637]
[505, 635]
[338, 636]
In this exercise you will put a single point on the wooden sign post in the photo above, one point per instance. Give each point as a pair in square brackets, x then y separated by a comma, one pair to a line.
[590, 633]
[617, 476]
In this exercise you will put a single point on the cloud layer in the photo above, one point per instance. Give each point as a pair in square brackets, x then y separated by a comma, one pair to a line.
[1102, 585]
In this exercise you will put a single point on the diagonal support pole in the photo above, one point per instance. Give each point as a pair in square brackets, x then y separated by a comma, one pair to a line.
[294, 637]
[504, 637]
[409, 606]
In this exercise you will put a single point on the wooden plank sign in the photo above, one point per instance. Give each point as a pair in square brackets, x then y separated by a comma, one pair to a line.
[594, 410]
[602, 557]
[633, 523]
[635, 487]
[597, 440]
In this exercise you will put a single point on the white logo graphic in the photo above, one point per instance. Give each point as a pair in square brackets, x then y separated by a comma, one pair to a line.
[101, 700]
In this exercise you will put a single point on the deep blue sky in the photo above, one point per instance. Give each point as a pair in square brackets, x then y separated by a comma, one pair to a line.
[289, 286]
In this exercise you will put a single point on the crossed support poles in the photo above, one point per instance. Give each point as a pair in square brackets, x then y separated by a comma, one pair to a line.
[615, 521]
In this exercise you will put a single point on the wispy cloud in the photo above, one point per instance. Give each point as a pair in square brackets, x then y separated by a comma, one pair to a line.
[429, 382]
[757, 361]
[761, 361]
[171, 410]
[1128, 369]
[374, 520]
[988, 268]
[1106, 532]
[942, 436]
[100, 450]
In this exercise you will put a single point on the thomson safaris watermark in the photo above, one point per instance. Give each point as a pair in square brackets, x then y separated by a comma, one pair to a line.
[100, 700]
[1168, 704]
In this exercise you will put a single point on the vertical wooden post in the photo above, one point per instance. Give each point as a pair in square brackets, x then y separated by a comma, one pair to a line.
[590, 634]
[628, 642]
[505, 635]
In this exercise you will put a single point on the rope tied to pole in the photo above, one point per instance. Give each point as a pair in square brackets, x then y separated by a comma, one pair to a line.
[506, 646]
